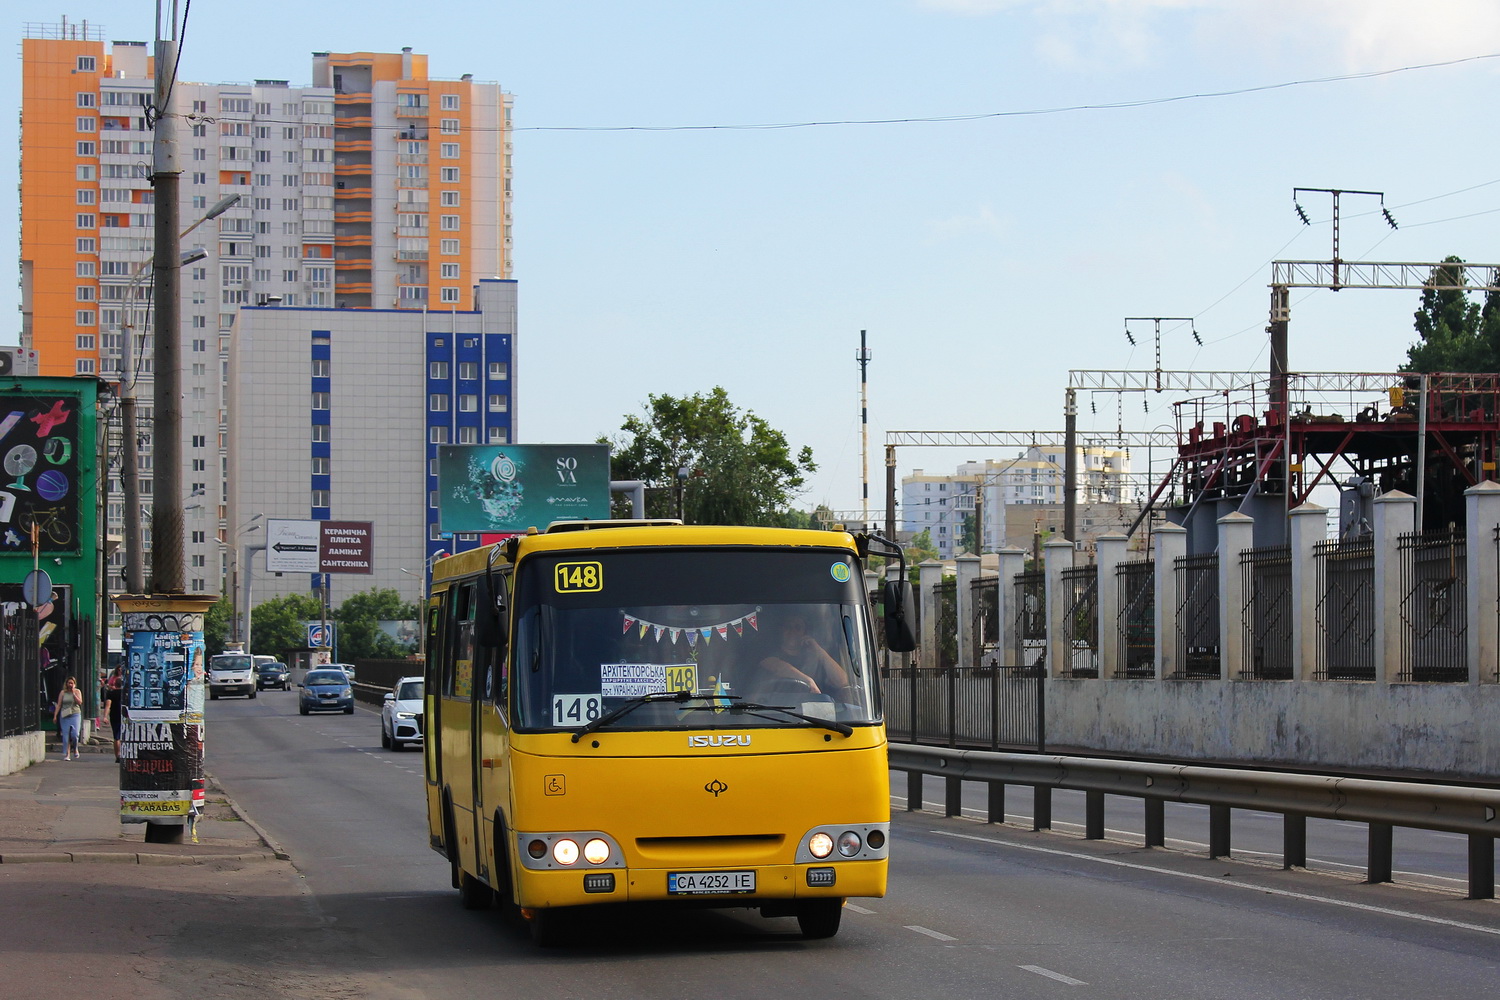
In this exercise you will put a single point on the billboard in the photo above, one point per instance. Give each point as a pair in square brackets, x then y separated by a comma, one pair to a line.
[40, 447]
[320, 546]
[511, 487]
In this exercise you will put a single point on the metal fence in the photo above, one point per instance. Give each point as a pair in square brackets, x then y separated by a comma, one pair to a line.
[1346, 610]
[1267, 575]
[1081, 621]
[1031, 619]
[20, 676]
[984, 592]
[966, 707]
[1434, 603]
[1137, 622]
[1197, 617]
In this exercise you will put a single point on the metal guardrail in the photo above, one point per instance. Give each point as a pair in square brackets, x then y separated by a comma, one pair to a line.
[1382, 804]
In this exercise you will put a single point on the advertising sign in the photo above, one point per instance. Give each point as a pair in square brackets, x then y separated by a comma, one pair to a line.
[39, 452]
[164, 658]
[508, 488]
[320, 546]
[54, 633]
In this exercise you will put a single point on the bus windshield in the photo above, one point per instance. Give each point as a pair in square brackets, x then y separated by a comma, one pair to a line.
[786, 628]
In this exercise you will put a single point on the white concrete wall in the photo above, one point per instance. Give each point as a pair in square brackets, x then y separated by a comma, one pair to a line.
[19, 752]
[1441, 728]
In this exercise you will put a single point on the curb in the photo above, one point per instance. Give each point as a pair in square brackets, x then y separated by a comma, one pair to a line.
[277, 851]
[125, 858]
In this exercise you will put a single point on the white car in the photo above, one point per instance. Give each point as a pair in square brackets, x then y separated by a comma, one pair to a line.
[231, 673]
[401, 714]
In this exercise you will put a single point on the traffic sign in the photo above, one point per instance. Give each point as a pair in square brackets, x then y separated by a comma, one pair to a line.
[319, 635]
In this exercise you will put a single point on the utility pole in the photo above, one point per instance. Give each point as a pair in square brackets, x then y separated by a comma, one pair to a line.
[1070, 464]
[863, 357]
[130, 476]
[167, 571]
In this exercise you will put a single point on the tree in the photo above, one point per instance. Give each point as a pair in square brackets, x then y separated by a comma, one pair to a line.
[736, 468]
[218, 624]
[280, 624]
[1458, 334]
[921, 548]
[359, 632]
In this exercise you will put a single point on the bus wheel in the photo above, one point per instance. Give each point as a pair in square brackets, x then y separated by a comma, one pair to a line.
[547, 929]
[819, 918]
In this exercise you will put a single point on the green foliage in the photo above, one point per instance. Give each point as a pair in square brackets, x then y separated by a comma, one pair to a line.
[279, 624]
[359, 632]
[920, 548]
[739, 469]
[1458, 334]
[218, 625]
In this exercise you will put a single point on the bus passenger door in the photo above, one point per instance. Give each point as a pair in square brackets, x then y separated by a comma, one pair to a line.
[432, 728]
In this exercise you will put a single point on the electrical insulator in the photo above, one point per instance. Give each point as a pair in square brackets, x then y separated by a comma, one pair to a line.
[1301, 214]
[1389, 220]
[1197, 338]
[1130, 338]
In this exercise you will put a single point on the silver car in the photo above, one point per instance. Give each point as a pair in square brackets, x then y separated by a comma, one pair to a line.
[401, 714]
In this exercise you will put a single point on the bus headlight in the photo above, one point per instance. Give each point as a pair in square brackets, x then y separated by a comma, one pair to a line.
[849, 843]
[596, 852]
[820, 844]
[565, 852]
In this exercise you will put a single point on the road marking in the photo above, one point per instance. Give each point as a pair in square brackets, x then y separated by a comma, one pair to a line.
[1053, 975]
[1287, 893]
[930, 933]
[847, 906]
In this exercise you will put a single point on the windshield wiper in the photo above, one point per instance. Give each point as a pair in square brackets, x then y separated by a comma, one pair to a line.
[751, 708]
[630, 706]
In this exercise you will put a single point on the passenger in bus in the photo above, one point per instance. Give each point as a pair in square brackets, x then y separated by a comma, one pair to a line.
[798, 661]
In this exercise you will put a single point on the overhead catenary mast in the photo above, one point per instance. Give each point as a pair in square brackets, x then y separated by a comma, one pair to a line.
[863, 357]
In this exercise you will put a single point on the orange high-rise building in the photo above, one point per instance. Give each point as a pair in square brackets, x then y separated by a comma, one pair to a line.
[376, 187]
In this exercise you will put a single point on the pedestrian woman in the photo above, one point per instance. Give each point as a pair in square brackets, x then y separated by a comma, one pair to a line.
[69, 717]
[114, 699]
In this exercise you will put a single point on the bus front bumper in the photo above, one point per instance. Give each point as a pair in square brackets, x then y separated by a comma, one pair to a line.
[718, 887]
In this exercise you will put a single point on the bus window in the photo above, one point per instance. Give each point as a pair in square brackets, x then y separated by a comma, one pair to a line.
[458, 661]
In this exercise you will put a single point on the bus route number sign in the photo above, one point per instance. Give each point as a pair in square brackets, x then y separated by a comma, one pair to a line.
[578, 577]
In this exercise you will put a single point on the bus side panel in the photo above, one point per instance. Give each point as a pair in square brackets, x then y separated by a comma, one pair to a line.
[432, 739]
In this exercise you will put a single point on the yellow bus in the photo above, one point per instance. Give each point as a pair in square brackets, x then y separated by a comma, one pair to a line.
[629, 711]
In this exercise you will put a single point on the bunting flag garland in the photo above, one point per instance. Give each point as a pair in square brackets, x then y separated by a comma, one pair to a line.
[694, 633]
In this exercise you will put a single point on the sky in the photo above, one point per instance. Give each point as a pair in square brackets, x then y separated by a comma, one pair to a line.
[987, 187]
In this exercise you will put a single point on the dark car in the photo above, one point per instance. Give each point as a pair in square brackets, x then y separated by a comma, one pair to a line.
[325, 689]
[273, 675]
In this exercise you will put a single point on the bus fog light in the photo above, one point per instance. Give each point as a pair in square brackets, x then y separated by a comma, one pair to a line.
[596, 851]
[537, 849]
[876, 839]
[820, 845]
[565, 852]
[849, 843]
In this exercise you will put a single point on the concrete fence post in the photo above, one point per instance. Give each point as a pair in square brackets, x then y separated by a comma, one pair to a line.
[1059, 556]
[1171, 545]
[1307, 527]
[1012, 564]
[929, 575]
[1236, 534]
[1482, 554]
[968, 572]
[1395, 515]
[1111, 552]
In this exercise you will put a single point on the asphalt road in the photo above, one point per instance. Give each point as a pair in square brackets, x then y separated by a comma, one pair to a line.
[974, 910]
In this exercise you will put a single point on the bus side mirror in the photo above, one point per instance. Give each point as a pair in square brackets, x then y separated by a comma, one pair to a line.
[897, 598]
[489, 618]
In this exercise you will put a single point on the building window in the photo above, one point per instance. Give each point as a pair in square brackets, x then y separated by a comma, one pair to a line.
[448, 126]
[448, 247]
[83, 293]
[498, 435]
[449, 175]
[320, 368]
[468, 403]
[448, 150]
[450, 295]
[437, 435]
[320, 466]
[499, 402]
[449, 223]
[450, 102]
[85, 64]
[320, 400]
[468, 369]
[84, 317]
[437, 402]
[84, 366]
[449, 199]
[450, 272]
[499, 369]
[438, 370]
[468, 435]
[84, 244]
[85, 149]
[320, 498]
[320, 433]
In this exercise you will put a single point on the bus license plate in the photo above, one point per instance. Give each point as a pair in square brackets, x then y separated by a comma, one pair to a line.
[692, 883]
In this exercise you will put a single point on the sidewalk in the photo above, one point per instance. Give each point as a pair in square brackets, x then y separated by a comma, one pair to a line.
[69, 811]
